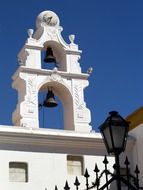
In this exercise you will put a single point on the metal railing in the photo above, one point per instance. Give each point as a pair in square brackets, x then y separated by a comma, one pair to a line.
[128, 180]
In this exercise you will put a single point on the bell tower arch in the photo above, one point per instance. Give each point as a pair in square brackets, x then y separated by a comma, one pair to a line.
[63, 92]
[66, 79]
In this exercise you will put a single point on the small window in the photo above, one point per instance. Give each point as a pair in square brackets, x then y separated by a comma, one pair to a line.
[18, 172]
[75, 165]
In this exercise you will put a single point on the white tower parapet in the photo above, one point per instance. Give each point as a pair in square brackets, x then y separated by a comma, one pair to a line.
[67, 80]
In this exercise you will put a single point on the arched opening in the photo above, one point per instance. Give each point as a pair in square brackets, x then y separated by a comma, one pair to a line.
[60, 117]
[53, 55]
[50, 117]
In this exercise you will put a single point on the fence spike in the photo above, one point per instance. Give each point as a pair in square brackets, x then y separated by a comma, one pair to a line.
[76, 183]
[56, 188]
[137, 170]
[127, 161]
[86, 173]
[66, 186]
[137, 177]
[105, 161]
[96, 170]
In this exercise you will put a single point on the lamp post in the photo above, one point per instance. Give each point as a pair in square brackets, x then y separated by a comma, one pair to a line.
[114, 131]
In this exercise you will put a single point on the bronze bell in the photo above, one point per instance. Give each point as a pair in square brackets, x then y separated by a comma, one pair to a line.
[49, 58]
[50, 100]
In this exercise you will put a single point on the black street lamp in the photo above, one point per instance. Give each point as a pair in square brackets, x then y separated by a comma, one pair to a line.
[114, 131]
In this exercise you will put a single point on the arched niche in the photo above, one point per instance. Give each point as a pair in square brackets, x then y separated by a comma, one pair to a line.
[58, 52]
[63, 93]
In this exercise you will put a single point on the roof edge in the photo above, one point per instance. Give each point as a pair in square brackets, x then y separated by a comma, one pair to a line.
[135, 118]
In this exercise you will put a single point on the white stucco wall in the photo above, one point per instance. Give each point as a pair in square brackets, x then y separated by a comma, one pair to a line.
[137, 152]
[45, 151]
[44, 170]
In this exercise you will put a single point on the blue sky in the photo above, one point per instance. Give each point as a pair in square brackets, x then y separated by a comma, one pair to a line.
[110, 34]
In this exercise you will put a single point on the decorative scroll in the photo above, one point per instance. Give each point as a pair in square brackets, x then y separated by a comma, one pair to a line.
[31, 90]
[78, 97]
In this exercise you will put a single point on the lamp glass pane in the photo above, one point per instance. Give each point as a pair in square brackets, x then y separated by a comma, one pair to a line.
[107, 138]
[118, 133]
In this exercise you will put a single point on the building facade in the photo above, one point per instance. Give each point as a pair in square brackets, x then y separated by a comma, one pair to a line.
[37, 158]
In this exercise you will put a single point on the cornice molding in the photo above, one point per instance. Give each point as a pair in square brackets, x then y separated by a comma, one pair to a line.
[45, 72]
[53, 141]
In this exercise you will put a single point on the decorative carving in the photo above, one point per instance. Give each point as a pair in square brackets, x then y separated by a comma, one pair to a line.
[30, 32]
[23, 76]
[90, 70]
[56, 77]
[31, 110]
[47, 18]
[72, 38]
[78, 57]
[31, 90]
[55, 70]
[20, 62]
[22, 57]
[78, 96]
[81, 106]
[80, 115]
[52, 33]
[23, 124]
[50, 18]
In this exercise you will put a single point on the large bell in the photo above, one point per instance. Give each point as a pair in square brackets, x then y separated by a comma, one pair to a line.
[50, 100]
[49, 58]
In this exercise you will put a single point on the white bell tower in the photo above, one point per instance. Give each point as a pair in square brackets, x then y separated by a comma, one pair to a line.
[66, 80]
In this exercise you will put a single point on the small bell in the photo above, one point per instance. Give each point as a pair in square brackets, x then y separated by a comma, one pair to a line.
[50, 100]
[49, 58]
